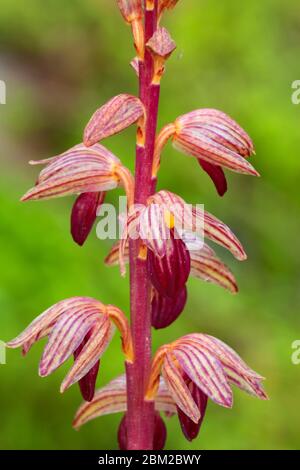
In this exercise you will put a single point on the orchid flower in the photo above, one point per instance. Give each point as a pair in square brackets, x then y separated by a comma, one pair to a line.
[214, 139]
[112, 398]
[81, 326]
[164, 241]
[197, 367]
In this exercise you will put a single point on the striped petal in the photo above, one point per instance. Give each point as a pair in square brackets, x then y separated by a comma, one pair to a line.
[153, 229]
[113, 117]
[223, 352]
[221, 234]
[214, 137]
[100, 338]
[165, 310]
[112, 259]
[178, 388]
[246, 383]
[107, 400]
[49, 317]
[195, 220]
[170, 272]
[84, 214]
[66, 337]
[113, 399]
[206, 371]
[207, 266]
[181, 211]
[78, 170]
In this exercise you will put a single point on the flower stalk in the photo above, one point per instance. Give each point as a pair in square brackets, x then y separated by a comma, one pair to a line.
[140, 414]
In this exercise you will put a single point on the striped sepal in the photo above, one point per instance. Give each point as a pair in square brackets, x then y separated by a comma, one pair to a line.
[119, 113]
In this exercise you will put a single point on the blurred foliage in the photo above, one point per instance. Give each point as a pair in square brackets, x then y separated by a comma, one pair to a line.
[60, 61]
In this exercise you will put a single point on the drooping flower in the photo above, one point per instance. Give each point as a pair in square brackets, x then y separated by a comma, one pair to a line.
[198, 366]
[89, 171]
[170, 260]
[166, 211]
[81, 326]
[113, 399]
[80, 170]
[113, 117]
[212, 137]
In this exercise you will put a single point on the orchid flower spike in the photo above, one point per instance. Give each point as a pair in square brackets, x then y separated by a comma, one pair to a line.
[197, 367]
[214, 139]
[81, 326]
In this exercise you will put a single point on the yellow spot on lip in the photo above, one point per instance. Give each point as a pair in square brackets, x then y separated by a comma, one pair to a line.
[169, 219]
[143, 252]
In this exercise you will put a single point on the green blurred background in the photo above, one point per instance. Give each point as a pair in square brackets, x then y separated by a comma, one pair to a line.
[62, 60]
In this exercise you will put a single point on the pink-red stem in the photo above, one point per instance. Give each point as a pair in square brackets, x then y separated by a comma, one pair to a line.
[140, 414]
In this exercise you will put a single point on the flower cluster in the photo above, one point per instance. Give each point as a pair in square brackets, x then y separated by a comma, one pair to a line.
[165, 242]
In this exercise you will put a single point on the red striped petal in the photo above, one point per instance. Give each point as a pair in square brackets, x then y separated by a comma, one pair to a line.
[216, 174]
[165, 310]
[206, 265]
[206, 371]
[66, 336]
[84, 214]
[178, 388]
[37, 328]
[113, 117]
[78, 170]
[113, 399]
[224, 353]
[221, 234]
[100, 338]
[213, 136]
[153, 229]
[169, 273]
